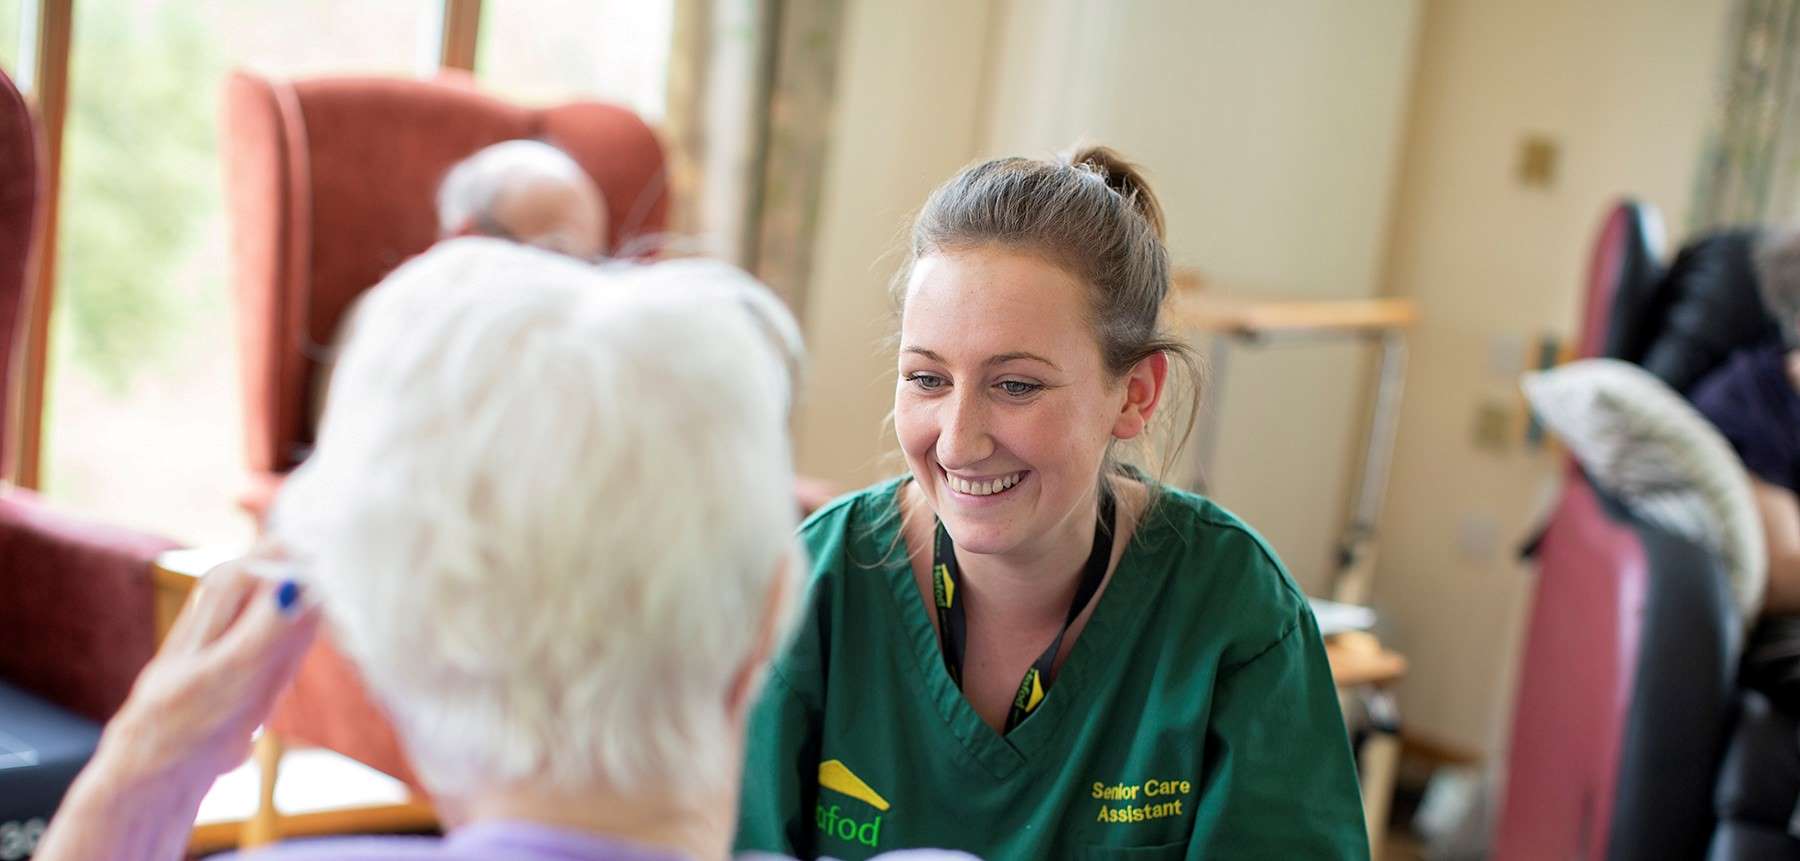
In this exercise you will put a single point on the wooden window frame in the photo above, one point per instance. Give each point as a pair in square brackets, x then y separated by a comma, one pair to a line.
[459, 26]
[48, 92]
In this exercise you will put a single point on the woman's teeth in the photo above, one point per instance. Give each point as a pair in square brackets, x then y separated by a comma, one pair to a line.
[983, 488]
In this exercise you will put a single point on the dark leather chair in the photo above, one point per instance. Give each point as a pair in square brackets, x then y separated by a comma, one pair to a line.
[1633, 736]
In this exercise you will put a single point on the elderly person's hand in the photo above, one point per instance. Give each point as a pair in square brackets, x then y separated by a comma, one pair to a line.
[189, 718]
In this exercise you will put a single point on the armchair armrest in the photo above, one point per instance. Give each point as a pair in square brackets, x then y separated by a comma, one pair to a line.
[77, 602]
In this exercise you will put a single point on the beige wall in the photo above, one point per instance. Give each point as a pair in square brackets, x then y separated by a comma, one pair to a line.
[1624, 87]
[908, 100]
[1271, 131]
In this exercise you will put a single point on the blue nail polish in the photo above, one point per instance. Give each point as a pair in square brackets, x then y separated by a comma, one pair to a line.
[287, 596]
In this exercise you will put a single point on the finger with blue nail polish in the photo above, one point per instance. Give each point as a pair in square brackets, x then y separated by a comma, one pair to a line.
[287, 596]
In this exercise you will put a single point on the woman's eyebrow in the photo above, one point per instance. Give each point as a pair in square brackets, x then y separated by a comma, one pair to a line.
[999, 359]
[1003, 358]
[921, 351]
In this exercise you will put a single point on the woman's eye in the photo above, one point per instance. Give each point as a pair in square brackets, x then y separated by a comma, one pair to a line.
[1019, 389]
[926, 382]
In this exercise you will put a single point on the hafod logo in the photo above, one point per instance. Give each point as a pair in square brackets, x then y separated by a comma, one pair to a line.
[836, 822]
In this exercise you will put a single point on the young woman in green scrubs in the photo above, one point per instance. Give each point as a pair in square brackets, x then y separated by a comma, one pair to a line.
[1022, 648]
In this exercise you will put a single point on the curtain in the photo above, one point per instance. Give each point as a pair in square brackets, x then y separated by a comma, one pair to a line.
[1750, 165]
[751, 93]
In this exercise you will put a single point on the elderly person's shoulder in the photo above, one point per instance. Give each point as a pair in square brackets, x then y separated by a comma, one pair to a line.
[902, 855]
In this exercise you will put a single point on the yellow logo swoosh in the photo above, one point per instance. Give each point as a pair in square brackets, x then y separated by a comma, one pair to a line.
[1037, 692]
[835, 776]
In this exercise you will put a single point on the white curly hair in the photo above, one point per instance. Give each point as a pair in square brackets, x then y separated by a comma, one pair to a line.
[547, 509]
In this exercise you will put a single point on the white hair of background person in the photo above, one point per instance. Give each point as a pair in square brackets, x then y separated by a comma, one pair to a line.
[1778, 279]
[472, 193]
[547, 507]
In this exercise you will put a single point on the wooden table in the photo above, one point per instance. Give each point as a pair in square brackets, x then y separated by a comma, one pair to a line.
[175, 574]
[1358, 661]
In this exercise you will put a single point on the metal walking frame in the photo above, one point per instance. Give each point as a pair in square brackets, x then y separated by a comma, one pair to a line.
[1383, 322]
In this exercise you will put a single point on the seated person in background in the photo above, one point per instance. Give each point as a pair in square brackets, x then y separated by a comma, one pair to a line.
[524, 191]
[1754, 402]
[533, 193]
[549, 519]
[529, 192]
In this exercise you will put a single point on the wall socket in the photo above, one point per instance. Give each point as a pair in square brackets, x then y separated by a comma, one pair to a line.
[1506, 359]
[1477, 538]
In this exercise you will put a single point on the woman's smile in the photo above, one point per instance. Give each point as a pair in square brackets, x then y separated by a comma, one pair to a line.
[986, 488]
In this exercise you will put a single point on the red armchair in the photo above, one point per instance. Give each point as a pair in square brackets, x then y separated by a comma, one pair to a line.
[331, 184]
[77, 603]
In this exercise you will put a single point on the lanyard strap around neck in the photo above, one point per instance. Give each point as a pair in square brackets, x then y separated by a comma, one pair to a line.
[953, 623]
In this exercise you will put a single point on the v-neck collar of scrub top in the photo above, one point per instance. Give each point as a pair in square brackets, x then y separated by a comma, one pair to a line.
[1121, 605]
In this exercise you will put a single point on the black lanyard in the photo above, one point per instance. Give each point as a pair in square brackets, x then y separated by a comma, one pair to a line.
[953, 625]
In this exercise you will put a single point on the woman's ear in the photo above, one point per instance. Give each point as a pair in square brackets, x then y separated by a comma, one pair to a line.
[1143, 391]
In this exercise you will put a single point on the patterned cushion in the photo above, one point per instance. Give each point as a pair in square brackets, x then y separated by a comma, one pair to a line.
[1645, 445]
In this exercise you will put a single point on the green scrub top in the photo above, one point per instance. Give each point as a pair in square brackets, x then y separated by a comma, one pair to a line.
[1194, 718]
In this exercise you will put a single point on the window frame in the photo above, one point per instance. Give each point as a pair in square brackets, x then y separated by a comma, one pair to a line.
[48, 25]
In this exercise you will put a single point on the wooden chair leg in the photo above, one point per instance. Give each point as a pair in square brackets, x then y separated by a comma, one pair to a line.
[1378, 762]
[264, 826]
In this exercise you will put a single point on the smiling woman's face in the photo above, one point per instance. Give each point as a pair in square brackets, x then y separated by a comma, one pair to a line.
[1003, 407]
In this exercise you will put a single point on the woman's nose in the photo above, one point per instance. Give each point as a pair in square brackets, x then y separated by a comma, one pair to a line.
[965, 439]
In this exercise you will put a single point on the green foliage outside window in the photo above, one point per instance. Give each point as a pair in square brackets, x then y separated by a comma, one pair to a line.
[9, 37]
[139, 178]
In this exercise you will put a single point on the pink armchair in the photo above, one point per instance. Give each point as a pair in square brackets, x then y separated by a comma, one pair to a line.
[331, 184]
[77, 603]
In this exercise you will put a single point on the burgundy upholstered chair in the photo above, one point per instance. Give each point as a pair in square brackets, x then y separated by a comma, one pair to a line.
[1581, 648]
[1635, 733]
[77, 602]
[331, 184]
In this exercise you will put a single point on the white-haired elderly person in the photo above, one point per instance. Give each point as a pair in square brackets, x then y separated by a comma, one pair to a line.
[549, 518]
[527, 191]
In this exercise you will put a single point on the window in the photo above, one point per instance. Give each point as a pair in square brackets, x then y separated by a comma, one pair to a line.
[10, 19]
[1750, 166]
[143, 421]
[542, 51]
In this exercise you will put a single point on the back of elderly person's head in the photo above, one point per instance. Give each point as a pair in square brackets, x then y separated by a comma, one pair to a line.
[527, 191]
[547, 509]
